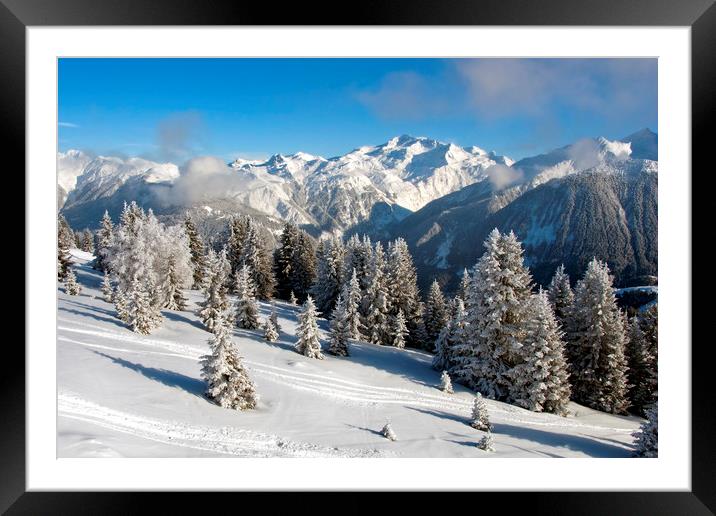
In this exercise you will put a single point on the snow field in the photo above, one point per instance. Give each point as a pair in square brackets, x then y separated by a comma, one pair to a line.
[125, 394]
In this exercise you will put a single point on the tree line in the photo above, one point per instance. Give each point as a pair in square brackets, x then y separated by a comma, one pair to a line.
[498, 335]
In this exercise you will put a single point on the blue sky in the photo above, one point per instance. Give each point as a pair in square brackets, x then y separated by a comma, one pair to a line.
[174, 109]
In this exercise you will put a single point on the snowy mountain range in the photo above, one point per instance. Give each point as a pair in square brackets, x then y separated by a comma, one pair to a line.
[589, 199]
[371, 186]
[595, 197]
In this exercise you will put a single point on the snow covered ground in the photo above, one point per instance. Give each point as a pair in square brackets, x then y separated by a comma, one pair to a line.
[122, 394]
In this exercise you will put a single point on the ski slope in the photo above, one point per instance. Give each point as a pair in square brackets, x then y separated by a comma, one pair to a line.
[121, 394]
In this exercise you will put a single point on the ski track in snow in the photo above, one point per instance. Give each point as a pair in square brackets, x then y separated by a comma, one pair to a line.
[225, 440]
[328, 386]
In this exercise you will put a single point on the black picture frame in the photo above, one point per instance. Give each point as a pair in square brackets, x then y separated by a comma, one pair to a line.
[700, 15]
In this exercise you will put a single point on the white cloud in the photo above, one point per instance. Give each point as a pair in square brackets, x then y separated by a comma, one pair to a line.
[67, 124]
[507, 87]
[204, 177]
[502, 176]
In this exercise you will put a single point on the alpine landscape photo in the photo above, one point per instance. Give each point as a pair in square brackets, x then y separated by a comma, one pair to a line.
[357, 258]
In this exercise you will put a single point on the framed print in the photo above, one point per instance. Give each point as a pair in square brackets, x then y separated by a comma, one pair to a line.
[419, 252]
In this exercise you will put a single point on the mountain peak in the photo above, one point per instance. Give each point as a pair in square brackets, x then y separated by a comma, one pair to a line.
[644, 144]
[406, 140]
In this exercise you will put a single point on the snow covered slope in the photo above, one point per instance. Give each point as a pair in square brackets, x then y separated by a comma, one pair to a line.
[121, 394]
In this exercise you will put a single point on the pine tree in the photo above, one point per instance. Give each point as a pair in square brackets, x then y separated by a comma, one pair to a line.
[647, 438]
[303, 270]
[340, 329]
[171, 288]
[452, 340]
[238, 228]
[274, 318]
[436, 314]
[64, 263]
[87, 241]
[196, 246]
[255, 255]
[131, 217]
[445, 383]
[329, 268]
[596, 340]
[399, 330]
[388, 432]
[156, 299]
[480, 417]
[642, 369]
[404, 293]
[270, 331]
[351, 297]
[540, 380]
[142, 314]
[121, 304]
[247, 312]
[284, 259]
[464, 286]
[107, 289]
[104, 242]
[649, 321]
[500, 287]
[228, 382]
[308, 343]
[71, 286]
[486, 443]
[65, 235]
[142, 247]
[292, 299]
[358, 253]
[560, 294]
[215, 291]
[376, 325]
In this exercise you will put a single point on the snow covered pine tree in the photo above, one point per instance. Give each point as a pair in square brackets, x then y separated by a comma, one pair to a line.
[247, 311]
[540, 379]
[499, 289]
[436, 314]
[376, 322]
[340, 330]
[71, 286]
[144, 316]
[104, 241]
[445, 383]
[486, 443]
[351, 295]
[107, 289]
[596, 340]
[270, 332]
[647, 438]
[480, 417]
[274, 318]
[642, 368]
[398, 330]
[171, 288]
[560, 294]
[215, 291]
[308, 343]
[196, 246]
[228, 382]
[451, 340]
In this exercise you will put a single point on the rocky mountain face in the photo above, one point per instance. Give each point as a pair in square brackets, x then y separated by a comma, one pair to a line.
[585, 200]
